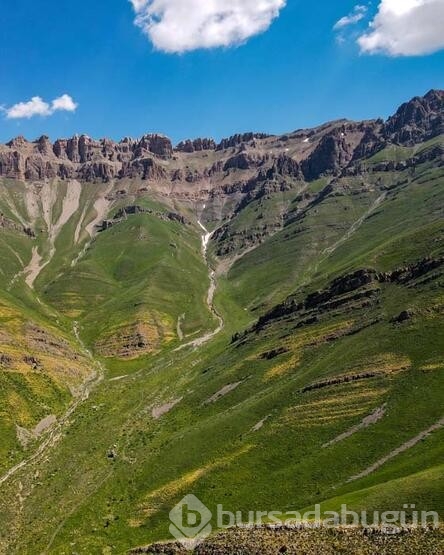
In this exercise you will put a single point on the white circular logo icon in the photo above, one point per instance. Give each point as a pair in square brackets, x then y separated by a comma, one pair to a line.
[190, 521]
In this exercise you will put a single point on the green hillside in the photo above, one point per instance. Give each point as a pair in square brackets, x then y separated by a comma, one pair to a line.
[120, 393]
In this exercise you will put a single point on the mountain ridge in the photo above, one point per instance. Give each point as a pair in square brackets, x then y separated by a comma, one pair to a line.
[259, 324]
[332, 147]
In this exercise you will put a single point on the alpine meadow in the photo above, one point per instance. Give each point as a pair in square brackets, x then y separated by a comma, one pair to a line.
[257, 322]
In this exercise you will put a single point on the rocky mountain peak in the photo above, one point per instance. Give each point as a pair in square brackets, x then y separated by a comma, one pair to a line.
[239, 139]
[44, 145]
[157, 144]
[325, 150]
[18, 142]
[196, 145]
[418, 120]
[332, 153]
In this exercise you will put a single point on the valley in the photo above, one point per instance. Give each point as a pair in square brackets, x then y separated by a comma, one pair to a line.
[258, 322]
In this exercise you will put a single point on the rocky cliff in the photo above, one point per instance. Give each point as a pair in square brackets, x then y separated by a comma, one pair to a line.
[306, 154]
[418, 120]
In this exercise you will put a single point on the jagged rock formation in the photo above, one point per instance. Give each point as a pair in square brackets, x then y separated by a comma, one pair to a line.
[371, 141]
[331, 154]
[196, 146]
[283, 166]
[331, 149]
[244, 161]
[84, 158]
[239, 139]
[418, 120]
[339, 147]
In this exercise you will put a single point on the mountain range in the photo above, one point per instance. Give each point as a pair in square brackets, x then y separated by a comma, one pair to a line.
[257, 321]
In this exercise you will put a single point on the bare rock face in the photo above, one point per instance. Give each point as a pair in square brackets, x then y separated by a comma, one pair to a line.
[284, 166]
[96, 170]
[154, 144]
[12, 164]
[239, 139]
[331, 154]
[37, 169]
[44, 145]
[146, 168]
[371, 142]
[198, 145]
[77, 149]
[18, 142]
[84, 158]
[335, 148]
[244, 161]
[418, 120]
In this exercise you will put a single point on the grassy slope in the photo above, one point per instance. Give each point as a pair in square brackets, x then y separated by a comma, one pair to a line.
[30, 330]
[86, 501]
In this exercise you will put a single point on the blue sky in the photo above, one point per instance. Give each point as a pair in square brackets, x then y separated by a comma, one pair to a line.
[126, 80]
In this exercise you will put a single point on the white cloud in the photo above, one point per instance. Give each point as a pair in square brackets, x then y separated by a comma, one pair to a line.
[38, 107]
[35, 107]
[64, 103]
[176, 26]
[357, 15]
[405, 28]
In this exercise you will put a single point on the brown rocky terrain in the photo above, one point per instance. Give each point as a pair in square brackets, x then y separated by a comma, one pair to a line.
[268, 540]
[305, 154]
[417, 120]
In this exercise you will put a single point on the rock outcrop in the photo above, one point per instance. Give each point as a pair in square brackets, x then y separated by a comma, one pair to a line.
[134, 210]
[357, 289]
[85, 159]
[284, 166]
[239, 139]
[371, 142]
[244, 161]
[332, 153]
[6, 223]
[418, 120]
[197, 145]
[336, 148]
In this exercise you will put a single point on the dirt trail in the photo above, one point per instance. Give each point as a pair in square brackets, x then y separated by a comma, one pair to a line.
[56, 432]
[210, 296]
[355, 226]
[407, 445]
[326, 253]
[372, 418]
